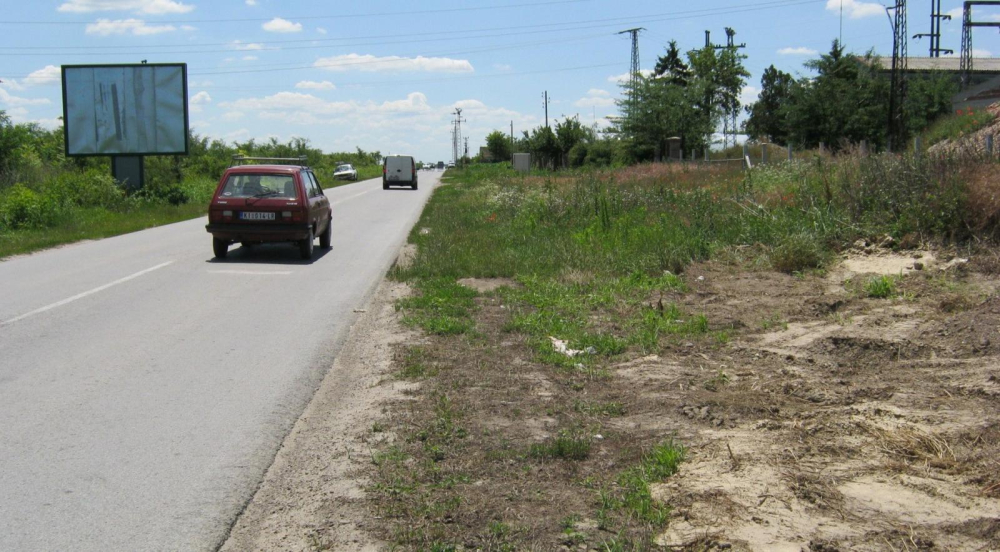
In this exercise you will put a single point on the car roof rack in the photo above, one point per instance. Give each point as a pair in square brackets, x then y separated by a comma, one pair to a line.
[243, 159]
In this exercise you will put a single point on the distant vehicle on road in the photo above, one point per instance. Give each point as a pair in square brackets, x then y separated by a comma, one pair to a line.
[399, 170]
[451, 165]
[260, 203]
[440, 165]
[346, 172]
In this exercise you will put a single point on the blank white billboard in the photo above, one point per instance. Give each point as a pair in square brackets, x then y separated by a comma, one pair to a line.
[125, 109]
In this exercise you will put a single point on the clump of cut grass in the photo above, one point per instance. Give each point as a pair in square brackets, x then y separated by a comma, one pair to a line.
[797, 253]
[717, 381]
[881, 287]
[443, 307]
[606, 410]
[565, 446]
[416, 365]
[633, 498]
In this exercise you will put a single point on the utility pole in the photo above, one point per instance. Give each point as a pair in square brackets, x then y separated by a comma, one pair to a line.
[633, 76]
[466, 148]
[729, 117]
[512, 140]
[967, 25]
[545, 102]
[456, 135]
[897, 86]
[935, 35]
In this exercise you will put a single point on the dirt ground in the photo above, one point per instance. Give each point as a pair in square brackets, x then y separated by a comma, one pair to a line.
[827, 421]
[846, 423]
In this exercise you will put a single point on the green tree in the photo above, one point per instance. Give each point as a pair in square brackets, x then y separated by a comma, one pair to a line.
[846, 102]
[498, 145]
[671, 67]
[767, 114]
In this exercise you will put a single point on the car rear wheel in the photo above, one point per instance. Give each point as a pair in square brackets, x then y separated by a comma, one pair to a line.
[325, 237]
[220, 248]
[414, 186]
[306, 245]
[385, 185]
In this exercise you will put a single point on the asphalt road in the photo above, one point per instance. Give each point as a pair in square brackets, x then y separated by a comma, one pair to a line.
[145, 387]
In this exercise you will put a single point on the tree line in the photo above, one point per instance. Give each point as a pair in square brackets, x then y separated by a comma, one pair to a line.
[842, 100]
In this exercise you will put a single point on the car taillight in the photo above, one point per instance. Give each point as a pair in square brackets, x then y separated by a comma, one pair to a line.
[296, 216]
[227, 215]
[286, 214]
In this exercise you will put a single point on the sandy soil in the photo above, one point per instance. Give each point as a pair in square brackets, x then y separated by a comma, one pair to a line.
[854, 424]
[312, 496]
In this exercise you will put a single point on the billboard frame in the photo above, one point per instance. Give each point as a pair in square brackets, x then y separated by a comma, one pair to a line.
[187, 128]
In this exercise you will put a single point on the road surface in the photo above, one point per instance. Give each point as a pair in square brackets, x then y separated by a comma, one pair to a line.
[145, 387]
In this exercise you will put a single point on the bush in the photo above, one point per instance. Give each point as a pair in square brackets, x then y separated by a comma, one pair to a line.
[22, 207]
[90, 189]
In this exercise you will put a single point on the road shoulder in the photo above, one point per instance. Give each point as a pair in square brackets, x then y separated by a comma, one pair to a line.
[312, 496]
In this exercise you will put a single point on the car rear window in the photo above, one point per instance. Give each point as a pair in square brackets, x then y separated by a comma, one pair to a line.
[260, 185]
[344, 168]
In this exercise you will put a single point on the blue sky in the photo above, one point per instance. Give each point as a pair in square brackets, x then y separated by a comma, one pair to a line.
[387, 75]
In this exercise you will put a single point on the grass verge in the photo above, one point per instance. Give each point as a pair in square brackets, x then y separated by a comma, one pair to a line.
[95, 223]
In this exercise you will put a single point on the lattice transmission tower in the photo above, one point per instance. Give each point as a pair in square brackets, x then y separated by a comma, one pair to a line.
[897, 90]
[633, 75]
[967, 25]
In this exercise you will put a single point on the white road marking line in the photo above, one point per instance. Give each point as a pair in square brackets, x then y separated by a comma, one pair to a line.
[253, 272]
[85, 294]
[346, 199]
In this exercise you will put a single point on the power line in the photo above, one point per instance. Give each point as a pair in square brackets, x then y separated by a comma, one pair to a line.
[504, 31]
[320, 17]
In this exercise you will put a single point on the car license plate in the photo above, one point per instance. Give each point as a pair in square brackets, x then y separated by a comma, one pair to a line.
[256, 216]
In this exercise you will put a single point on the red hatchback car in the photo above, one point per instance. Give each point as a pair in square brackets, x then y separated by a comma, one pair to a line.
[269, 203]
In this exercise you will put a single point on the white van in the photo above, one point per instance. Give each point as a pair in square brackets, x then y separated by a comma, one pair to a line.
[399, 170]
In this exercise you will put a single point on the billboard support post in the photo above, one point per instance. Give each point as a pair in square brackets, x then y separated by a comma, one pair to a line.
[129, 171]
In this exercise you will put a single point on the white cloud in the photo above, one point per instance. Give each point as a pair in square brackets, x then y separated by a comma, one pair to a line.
[236, 135]
[251, 2]
[321, 30]
[624, 77]
[189, 28]
[279, 25]
[137, 27]
[198, 101]
[249, 58]
[855, 9]
[981, 53]
[799, 51]
[50, 74]
[240, 45]
[14, 101]
[313, 85]
[501, 67]
[596, 98]
[201, 98]
[370, 63]
[150, 7]
[232, 115]
[749, 95]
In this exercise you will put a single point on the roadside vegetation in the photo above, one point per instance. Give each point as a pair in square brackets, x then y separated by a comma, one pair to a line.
[539, 294]
[47, 199]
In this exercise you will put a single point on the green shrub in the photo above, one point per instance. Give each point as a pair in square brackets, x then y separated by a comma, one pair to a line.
[22, 207]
